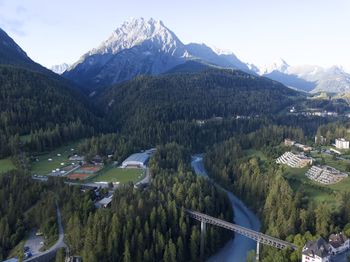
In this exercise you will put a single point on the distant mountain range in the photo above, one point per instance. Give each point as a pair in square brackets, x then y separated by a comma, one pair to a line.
[148, 47]
[309, 78]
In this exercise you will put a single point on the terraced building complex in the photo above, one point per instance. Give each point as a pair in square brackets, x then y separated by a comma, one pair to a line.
[293, 160]
[325, 174]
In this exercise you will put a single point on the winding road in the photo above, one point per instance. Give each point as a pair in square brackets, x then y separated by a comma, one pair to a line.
[51, 252]
[236, 249]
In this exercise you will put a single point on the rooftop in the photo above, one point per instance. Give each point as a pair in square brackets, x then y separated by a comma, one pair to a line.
[317, 247]
[105, 201]
[140, 157]
[337, 240]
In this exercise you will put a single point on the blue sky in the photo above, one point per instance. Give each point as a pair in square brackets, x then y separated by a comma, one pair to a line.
[257, 31]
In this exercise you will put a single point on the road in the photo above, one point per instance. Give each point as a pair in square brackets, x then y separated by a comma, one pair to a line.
[60, 242]
[146, 179]
[236, 249]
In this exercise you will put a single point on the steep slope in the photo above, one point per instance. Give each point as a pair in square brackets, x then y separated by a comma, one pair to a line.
[32, 102]
[140, 47]
[291, 80]
[12, 54]
[38, 103]
[191, 66]
[216, 57]
[137, 47]
[151, 106]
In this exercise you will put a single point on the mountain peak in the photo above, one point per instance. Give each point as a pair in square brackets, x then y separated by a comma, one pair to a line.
[220, 51]
[141, 46]
[134, 32]
[278, 64]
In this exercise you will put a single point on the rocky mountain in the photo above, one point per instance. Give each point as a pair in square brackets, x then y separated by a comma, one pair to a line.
[59, 69]
[138, 47]
[309, 78]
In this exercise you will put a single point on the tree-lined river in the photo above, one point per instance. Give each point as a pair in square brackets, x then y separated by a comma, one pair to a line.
[236, 249]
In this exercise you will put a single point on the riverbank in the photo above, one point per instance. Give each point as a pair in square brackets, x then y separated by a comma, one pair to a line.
[235, 250]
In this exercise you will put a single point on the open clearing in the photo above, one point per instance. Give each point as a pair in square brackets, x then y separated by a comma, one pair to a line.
[121, 175]
[313, 190]
[6, 165]
[339, 164]
[60, 155]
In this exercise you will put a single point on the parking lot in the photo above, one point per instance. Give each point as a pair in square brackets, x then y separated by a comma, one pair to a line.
[34, 243]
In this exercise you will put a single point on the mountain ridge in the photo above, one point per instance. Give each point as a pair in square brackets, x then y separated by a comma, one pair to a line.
[139, 47]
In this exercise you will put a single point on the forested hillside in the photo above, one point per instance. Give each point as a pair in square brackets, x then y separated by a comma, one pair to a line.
[48, 109]
[12, 54]
[153, 109]
[259, 182]
[24, 205]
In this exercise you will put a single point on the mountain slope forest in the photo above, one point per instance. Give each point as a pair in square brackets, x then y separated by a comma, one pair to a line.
[153, 109]
[48, 110]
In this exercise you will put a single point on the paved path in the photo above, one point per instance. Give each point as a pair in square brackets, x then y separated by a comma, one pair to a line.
[59, 244]
[236, 249]
[146, 179]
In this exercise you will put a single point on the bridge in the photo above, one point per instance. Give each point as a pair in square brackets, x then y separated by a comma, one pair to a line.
[259, 237]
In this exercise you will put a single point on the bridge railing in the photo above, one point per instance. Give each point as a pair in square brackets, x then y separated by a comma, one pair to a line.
[257, 236]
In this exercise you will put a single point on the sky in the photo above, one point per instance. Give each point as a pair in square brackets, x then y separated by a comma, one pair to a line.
[257, 31]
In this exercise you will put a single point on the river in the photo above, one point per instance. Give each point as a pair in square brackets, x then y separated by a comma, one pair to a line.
[236, 249]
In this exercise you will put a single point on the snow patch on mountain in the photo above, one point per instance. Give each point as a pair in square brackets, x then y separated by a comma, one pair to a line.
[59, 69]
[141, 46]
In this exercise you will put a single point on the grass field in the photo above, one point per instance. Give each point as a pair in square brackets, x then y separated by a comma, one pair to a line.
[6, 165]
[336, 163]
[313, 190]
[43, 166]
[121, 175]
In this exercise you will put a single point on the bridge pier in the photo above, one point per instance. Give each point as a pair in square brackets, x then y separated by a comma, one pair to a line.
[257, 250]
[203, 233]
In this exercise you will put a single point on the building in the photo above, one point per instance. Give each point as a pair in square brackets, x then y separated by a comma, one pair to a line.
[325, 174]
[289, 142]
[104, 202]
[293, 160]
[305, 148]
[338, 243]
[320, 140]
[341, 143]
[316, 251]
[76, 158]
[138, 160]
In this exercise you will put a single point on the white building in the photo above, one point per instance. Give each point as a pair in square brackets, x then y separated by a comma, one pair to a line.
[341, 143]
[316, 251]
[104, 202]
[138, 160]
[295, 161]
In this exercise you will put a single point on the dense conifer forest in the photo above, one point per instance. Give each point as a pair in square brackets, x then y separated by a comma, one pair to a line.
[46, 111]
[285, 213]
[223, 112]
